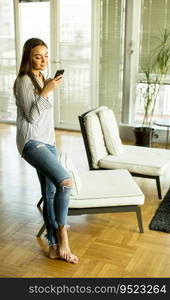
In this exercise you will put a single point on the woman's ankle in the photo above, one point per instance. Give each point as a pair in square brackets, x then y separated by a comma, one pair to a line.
[53, 251]
[62, 232]
[62, 237]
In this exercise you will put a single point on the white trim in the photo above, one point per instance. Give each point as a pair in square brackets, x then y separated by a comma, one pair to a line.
[95, 52]
[55, 55]
[131, 58]
[17, 26]
[54, 33]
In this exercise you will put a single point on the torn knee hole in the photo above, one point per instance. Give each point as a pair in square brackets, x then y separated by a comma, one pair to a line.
[66, 183]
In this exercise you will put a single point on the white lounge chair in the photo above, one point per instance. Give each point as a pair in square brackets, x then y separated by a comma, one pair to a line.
[105, 150]
[104, 192]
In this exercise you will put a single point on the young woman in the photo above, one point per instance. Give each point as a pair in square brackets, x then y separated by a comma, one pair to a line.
[36, 143]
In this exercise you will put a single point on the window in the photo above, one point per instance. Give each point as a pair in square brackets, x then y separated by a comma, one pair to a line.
[87, 39]
[111, 55]
[75, 34]
[150, 29]
[33, 26]
[91, 52]
[7, 61]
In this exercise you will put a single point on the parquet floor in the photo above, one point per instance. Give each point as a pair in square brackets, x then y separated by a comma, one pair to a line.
[108, 245]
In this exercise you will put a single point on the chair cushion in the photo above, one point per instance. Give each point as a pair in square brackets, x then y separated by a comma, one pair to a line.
[141, 160]
[66, 162]
[111, 131]
[107, 188]
[95, 138]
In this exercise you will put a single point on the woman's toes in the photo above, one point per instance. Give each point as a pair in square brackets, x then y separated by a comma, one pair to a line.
[73, 259]
[68, 257]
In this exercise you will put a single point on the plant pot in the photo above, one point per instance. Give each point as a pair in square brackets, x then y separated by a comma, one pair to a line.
[143, 136]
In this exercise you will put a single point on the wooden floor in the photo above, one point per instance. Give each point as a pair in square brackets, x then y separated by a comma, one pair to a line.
[108, 245]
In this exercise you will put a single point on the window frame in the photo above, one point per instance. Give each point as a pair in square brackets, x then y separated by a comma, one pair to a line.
[131, 59]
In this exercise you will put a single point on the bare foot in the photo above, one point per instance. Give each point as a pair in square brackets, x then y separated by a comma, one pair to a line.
[53, 252]
[63, 249]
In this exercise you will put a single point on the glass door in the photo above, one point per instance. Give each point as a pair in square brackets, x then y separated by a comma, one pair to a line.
[28, 16]
[66, 27]
[73, 44]
[35, 20]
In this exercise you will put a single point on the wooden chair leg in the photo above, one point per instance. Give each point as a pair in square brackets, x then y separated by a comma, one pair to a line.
[158, 184]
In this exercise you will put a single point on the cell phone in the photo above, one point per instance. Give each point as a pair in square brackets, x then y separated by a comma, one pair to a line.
[59, 72]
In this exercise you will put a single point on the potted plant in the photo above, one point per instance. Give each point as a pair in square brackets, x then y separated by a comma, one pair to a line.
[155, 71]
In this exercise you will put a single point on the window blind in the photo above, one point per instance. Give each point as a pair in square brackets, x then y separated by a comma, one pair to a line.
[7, 61]
[154, 19]
[111, 55]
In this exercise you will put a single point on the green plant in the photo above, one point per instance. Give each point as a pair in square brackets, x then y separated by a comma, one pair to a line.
[155, 69]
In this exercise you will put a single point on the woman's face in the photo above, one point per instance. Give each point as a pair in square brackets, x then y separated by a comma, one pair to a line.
[39, 58]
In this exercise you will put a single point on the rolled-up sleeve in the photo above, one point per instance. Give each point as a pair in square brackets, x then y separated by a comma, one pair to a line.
[33, 104]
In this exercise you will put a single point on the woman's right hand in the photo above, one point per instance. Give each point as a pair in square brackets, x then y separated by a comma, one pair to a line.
[50, 85]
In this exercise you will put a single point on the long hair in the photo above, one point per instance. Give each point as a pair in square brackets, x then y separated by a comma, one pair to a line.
[26, 64]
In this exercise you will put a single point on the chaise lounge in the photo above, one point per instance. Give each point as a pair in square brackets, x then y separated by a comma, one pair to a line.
[105, 150]
[96, 192]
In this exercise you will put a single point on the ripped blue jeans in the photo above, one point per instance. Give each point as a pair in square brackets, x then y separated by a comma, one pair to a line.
[43, 158]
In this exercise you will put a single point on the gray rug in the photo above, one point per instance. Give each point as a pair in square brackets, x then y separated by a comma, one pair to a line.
[161, 219]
